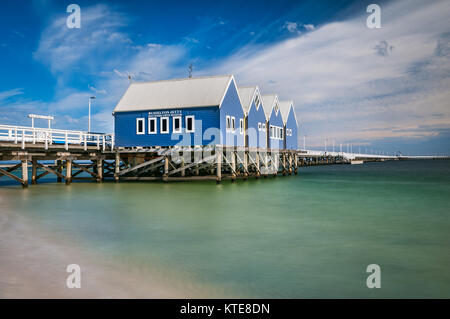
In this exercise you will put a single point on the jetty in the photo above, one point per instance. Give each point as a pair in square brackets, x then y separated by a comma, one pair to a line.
[28, 153]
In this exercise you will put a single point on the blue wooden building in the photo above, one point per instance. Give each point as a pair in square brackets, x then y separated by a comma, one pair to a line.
[255, 118]
[187, 112]
[274, 125]
[290, 125]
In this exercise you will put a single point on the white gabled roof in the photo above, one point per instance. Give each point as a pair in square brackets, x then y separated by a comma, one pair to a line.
[268, 102]
[285, 107]
[177, 93]
[247, 95]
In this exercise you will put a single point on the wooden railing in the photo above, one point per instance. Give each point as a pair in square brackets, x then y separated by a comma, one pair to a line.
[34, 135]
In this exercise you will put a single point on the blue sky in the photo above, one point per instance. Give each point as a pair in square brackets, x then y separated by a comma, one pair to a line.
[379, 89]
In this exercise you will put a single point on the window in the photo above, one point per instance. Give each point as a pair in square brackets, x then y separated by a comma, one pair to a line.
[259, 126]
[276, 108]
[281, 133]
[228, 123]
[257, 102]
[233, 124]
[151, 125]
[241, 126]
[264, 126]
[176, 124]
[271, 131]
[190, 124]
[164, 126]
[140, 126]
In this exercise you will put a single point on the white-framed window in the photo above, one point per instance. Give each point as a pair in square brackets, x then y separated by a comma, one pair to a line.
[164, 125]
[259, 126]
[257, 102]
[264, 126]
[241, 126]
[140, 126]
[152, 125]
[271, 131]
[233, 124]
[190, 124]
[228, 124]
[176, 124]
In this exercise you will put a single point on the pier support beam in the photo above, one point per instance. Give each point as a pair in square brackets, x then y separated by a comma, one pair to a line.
[233, 166]
[245, 165]
[68, 171]
[25, 173]
[284, 164]
[290, 163]
[33, 171]
[166, 169]
[258, 166]
[117, 167]
[59, 170]
[99, 169]
[219, 166]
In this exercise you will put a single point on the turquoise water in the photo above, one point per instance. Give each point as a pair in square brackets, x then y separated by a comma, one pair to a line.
[304, 236]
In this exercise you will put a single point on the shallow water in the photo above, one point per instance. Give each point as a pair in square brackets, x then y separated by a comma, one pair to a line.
[310, 235]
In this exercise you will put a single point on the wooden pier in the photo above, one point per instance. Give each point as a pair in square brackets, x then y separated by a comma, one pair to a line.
[27, 155]
[32, 161]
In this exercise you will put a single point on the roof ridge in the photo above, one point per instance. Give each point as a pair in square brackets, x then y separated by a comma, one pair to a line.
[186, 79]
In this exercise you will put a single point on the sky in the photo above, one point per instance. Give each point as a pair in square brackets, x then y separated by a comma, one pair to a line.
[379, 89]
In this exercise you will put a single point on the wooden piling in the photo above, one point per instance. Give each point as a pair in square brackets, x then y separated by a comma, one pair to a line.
[25, 173]
[219, 166]
[117, 167]
[33, 171]
[99, 169]
[59, 170]
[68, 171]
[233, 165]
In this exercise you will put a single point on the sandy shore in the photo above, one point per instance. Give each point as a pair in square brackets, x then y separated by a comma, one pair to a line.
[33, 265]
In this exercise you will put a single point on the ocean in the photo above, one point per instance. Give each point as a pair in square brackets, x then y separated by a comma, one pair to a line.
[310, 235]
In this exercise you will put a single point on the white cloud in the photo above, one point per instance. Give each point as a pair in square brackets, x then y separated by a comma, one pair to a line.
[291, 27]
[343, 86]
[10, 93]
[309, 27]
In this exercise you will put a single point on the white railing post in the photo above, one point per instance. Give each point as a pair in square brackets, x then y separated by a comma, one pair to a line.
[112, 142]
[34, 136]
[46, 140]
[23, 139]
[85, 142]
[98, 142]
[66, 141]
[15, 135]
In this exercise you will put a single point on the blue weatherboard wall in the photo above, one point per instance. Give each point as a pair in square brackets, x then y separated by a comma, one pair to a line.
[292, 141]
[231, 106]
[256, 138]
[276, 120]
[125, 128]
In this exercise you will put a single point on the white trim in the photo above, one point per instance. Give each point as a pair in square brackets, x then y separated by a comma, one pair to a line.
[173, 124]
[241, 126]
[186, 123]
[161, 125]
[228, 123]
[259, 126]
[233, 122]
[149, 126]
[142, 120]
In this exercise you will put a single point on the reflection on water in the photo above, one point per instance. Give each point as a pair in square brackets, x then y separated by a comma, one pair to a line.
[310, 235]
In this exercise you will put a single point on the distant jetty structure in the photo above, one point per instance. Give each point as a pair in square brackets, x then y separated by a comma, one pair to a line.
[199, 128]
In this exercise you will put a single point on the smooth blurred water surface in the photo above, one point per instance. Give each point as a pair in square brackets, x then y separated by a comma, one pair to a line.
[310, 235]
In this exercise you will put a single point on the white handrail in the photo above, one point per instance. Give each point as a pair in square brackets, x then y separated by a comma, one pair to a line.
[14, 133]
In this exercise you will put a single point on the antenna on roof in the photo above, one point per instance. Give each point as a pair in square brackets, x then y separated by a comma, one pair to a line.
[191, 68]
